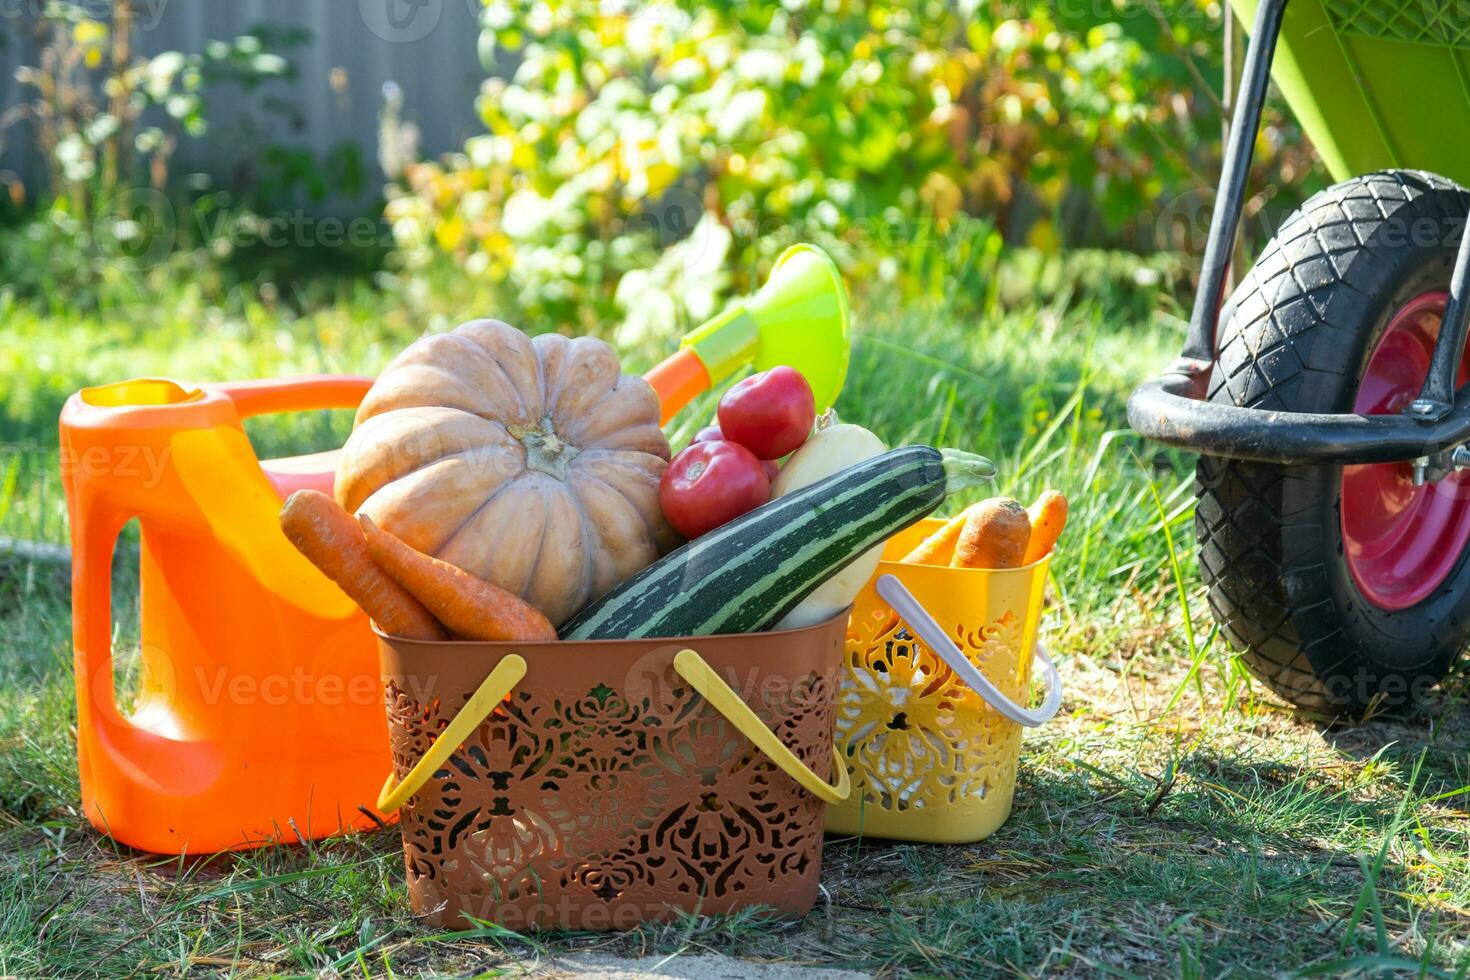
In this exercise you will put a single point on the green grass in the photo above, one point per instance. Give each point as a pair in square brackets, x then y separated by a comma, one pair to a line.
[1174, 820]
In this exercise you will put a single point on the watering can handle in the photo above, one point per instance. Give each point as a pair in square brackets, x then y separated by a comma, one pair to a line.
[911, 611]
[96, 525]
[690, 665]
[307, 392]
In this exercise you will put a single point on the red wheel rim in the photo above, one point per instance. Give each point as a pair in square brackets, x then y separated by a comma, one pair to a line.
[1402, 540]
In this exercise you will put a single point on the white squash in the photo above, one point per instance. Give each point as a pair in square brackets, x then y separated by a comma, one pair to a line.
[833, 448]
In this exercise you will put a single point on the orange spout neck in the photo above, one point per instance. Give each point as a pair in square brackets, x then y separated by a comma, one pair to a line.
[677, 382]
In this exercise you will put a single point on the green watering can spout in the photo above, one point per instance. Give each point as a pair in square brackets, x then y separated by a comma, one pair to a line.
[799, 319]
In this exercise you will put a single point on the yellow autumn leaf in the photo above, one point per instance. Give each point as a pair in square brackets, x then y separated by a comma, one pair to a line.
[89, 33]
[449, 234]
[1051, 190]
[523, 156]
[942, 195]
[497, 243]
[1043, 236]
[660, 177]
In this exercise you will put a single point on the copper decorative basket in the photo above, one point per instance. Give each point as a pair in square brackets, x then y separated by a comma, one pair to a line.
[601, 784]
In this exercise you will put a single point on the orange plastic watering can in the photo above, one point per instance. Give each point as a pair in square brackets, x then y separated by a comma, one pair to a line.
[259, 716]
[259, 712]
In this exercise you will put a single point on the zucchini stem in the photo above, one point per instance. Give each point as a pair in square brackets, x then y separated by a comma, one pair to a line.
[964, 471]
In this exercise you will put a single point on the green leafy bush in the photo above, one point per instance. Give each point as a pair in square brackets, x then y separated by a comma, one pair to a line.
[634, 157]
[105, 219]
[86, 96]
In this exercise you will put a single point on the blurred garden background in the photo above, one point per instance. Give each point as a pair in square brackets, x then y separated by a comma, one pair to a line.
[1017, 192]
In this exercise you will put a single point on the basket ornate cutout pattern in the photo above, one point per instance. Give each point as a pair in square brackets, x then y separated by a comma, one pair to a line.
[601, 808]
[1441, 23]
[915, 735]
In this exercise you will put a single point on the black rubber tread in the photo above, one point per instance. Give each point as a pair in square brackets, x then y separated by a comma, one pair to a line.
[1295, 337]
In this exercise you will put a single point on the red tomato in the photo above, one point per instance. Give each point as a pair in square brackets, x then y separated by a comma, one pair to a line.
[770, 413]
[709, 484]
[712, 433]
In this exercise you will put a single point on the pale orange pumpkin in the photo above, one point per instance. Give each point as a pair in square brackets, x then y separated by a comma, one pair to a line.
[533, 463]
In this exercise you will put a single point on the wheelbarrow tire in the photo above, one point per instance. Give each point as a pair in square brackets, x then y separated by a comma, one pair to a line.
[1297, 336]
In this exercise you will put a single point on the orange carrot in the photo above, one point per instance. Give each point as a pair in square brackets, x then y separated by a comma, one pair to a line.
[994, 536]
[471, 607]
[1048, 517]
[332, 541]
[938, 548]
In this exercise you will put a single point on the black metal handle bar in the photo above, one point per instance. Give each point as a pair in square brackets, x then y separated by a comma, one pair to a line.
[1171, 410]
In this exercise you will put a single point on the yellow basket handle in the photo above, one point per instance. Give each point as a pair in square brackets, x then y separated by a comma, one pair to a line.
[912, 611]
[508, 673]
[492, 690]
[702, 677]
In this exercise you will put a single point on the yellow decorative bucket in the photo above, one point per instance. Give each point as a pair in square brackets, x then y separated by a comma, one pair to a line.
[934, 682]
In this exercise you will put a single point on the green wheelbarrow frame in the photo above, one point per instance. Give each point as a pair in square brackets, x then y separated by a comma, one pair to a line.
[1376, 84]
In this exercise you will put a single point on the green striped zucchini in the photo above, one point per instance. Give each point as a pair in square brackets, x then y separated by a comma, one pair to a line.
[747, 574]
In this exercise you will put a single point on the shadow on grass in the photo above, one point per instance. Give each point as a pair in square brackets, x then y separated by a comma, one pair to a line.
[1436, 731]
[1231, 861]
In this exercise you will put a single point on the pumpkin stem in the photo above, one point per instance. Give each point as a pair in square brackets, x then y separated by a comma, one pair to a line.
[545, 450]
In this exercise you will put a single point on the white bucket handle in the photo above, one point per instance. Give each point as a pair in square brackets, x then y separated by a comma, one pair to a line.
[911, 611]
